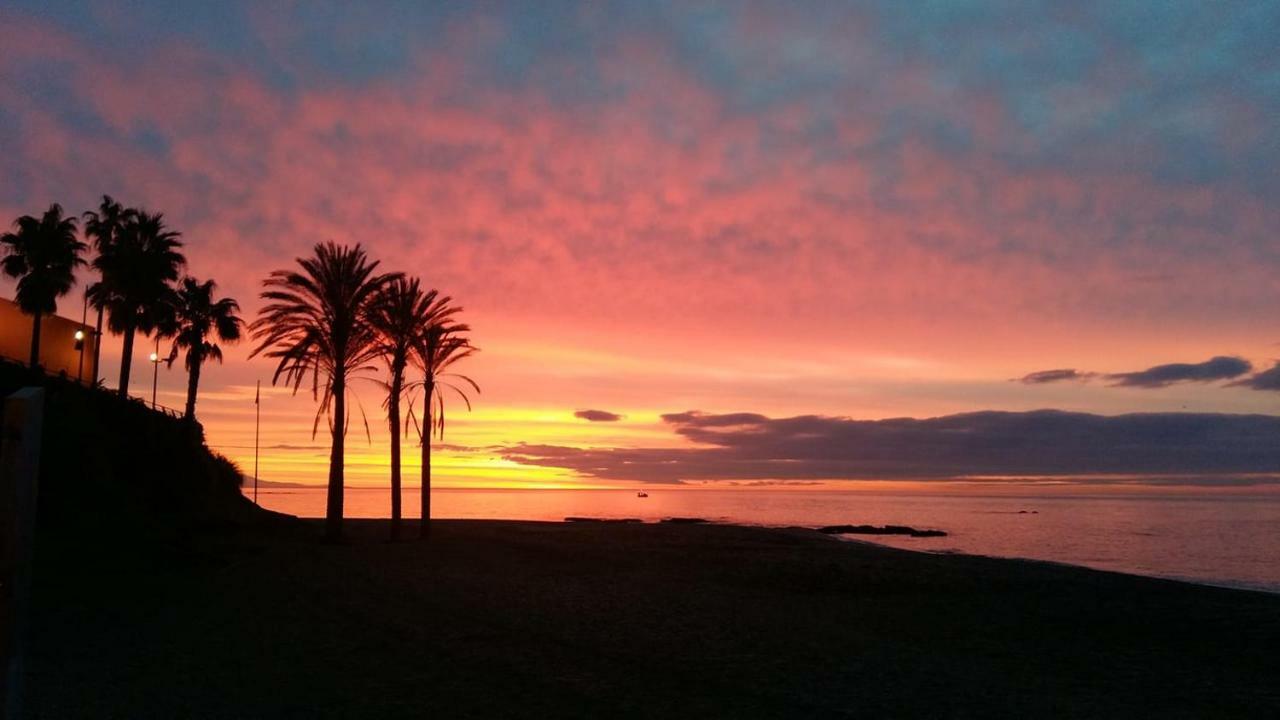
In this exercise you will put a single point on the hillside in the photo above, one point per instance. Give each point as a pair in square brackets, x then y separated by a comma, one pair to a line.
[114, 472]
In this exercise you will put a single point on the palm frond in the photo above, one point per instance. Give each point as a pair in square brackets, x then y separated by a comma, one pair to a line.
[314, 321]
[42, 254]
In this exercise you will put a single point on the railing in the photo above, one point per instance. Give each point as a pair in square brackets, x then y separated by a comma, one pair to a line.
[21, 368]
[164, 409]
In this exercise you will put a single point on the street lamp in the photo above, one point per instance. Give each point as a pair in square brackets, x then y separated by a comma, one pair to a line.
[155, 373]
[80, 349]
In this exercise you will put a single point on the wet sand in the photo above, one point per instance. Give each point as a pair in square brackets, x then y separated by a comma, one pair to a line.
[521, 619]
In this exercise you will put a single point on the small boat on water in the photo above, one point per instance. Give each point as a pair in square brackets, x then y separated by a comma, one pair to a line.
[642, 494]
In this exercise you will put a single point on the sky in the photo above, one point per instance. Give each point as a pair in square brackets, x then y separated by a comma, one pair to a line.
[751, 216]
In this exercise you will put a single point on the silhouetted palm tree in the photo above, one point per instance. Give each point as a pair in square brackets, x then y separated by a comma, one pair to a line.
[440, 347]
[315, 322]
[43, 254]
[137, 267]
[102, 227]
[401, 314]
[198, 319]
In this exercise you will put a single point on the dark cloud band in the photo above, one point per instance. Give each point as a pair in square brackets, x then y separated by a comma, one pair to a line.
[746, 447]
[1222, 367]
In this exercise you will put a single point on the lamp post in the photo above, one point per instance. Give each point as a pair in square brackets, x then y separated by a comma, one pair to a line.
[84, 317]
[155, 372]
[80, 347]
[97, 348]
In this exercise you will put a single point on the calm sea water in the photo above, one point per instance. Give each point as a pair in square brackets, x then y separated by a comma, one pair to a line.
[1230, 540]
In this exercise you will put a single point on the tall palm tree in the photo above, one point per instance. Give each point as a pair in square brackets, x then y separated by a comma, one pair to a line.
[138, 266]
[400, 314]
[43, 254]
[441, 346]
[315, 323]
[103, 226]
[198, 320]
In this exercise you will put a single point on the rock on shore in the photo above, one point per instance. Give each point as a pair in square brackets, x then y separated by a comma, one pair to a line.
[879, 530]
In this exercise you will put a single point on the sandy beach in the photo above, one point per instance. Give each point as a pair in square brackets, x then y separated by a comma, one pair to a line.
[520, 619]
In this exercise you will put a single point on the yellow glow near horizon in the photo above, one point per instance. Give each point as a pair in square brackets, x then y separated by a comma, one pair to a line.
[469, 456]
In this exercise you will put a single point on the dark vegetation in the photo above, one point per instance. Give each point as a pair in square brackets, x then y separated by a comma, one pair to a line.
[139, 263]
[120, 479]
[42, 254]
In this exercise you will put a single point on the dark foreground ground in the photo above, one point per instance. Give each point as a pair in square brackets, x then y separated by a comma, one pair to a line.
[502, 619]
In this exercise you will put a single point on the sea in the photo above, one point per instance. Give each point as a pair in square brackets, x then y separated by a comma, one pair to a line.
[1230, 540]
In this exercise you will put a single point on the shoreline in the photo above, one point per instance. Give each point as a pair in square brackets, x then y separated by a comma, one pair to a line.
[1223, 584]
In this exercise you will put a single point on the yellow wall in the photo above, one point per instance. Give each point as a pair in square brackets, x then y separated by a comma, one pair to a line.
[58, 353]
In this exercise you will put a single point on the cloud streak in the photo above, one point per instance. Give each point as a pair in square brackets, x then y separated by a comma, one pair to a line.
[597, 416]
[1043, 377]
[1222, 367]
[1268, 380]
[750, 447]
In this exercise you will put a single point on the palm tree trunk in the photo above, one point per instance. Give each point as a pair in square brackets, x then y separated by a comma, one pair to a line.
[126, 358]
[35, 342]
[193, 385]
[424, 527]
[393, 404]
[333, 508]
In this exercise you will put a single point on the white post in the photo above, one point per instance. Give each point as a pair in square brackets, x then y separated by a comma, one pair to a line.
[257, 425]
[19, 465]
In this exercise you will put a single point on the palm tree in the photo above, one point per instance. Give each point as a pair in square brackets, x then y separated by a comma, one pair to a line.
[441, 346]
[198, 319]
[103, 226]
[401, 314]
[43, 254]
[137, 267]
[314, 322]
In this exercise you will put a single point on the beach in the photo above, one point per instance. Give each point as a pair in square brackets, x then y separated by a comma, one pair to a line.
[526, 619]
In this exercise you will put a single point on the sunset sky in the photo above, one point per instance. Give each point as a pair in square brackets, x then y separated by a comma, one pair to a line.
[861, 211]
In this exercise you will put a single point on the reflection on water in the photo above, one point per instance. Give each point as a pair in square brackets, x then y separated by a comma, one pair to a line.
[1226, 540]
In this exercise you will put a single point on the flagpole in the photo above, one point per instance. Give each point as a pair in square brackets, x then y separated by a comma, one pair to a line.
[257, 423]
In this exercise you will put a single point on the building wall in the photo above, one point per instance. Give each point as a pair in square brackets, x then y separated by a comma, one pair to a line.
[58, 351]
